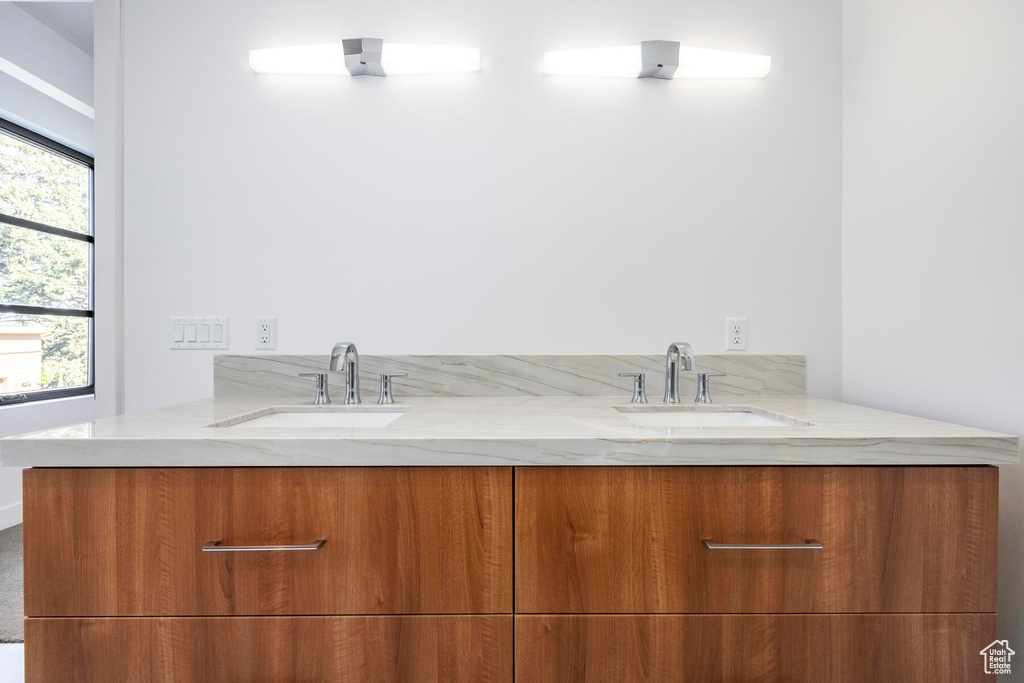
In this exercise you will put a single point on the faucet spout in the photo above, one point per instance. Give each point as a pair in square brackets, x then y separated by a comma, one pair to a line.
[346, 355]
[679, 353]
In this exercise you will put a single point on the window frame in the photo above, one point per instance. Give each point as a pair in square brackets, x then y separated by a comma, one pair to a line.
[33, 138]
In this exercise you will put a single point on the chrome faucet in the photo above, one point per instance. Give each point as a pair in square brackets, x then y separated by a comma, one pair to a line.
[386, 397]
[678, 352]
[704, 386]
[322, 396]
[639, 386]
[346, 353]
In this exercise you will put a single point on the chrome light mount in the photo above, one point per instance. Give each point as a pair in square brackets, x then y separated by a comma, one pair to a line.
[362, 56]
[659, 58]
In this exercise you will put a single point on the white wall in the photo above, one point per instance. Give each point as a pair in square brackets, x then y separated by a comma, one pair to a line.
[34, 47]
[932, 232]
[108, 204]
[502, 211]
[37, 49]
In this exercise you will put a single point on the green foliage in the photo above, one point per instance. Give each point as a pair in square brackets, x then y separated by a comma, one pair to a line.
[39, 269]
[42, 186]
[66, 353]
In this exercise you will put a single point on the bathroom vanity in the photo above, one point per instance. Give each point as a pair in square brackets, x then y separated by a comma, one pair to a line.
[516, 518]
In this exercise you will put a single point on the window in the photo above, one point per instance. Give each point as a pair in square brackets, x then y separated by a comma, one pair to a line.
[46, 262]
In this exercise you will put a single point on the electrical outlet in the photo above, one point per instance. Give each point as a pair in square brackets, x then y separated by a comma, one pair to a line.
[735, 334]
[266, 333]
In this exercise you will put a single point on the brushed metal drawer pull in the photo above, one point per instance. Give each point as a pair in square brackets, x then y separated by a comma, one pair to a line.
[809, 544]
[216, 547]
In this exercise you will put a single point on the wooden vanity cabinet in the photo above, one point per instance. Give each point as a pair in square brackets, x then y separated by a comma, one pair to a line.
[129, 542]
[412, 583]
[384, 649]
[631, 539]
[614, 581]
[696, 648]
[612, 578]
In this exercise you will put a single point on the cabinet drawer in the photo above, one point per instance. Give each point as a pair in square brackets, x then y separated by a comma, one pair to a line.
[128, 542]
[630, 539]
[833, 648]
[197, 649]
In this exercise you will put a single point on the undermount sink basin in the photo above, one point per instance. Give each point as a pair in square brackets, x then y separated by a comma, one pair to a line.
[295, 417]
[707, 416]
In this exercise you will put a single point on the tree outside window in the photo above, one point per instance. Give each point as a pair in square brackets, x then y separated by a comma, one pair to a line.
[46, 248]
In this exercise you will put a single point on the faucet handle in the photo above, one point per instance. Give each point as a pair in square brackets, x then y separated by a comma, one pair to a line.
[322, 396]
[386, 397]
[639, 386]
[704, 386]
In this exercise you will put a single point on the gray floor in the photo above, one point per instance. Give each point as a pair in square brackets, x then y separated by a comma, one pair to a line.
[12, 592]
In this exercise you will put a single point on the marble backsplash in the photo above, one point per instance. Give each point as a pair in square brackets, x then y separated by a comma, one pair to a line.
[512, 375]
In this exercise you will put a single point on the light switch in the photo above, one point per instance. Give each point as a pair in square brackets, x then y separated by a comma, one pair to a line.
[199, 333]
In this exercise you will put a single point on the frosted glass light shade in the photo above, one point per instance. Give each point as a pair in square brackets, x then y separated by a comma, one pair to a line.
[398, 58]
[695, 62]
[395, 59]
[321, 60]
[627, 62]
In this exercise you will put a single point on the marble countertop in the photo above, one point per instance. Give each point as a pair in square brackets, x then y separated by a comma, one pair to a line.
[504, 430]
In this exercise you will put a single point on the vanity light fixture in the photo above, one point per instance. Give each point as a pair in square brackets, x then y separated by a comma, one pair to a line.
[364, 56]
[657, 59]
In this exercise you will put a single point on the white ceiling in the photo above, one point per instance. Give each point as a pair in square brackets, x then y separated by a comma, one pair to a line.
[70, 20]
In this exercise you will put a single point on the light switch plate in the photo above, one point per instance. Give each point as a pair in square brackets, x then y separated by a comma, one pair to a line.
[199, 333]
